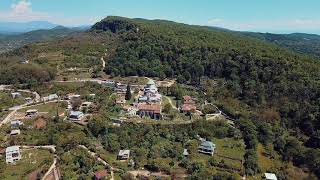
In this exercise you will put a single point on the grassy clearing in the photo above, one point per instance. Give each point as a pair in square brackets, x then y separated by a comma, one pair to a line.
[51, 108]
[132, 80]
[269, 160]
[229, 155]
[31, 160]
[7, 101]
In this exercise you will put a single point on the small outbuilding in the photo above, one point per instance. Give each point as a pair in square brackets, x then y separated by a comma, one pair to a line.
[185, 153]
[15, 124]
[15, 132]
[76, 115]
[123, 155]
[15, 95]
[270, 176]
[32, 113]
[207, 147]
[51, 97]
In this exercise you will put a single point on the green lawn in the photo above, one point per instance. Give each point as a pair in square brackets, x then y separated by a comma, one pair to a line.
[132, 80]
[229, 152]
[7, 101]
[31, 160]
[51, 108]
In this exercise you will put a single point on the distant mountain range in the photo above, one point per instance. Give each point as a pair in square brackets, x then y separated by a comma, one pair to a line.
[17, 27]
[10, 42]
[23, 27]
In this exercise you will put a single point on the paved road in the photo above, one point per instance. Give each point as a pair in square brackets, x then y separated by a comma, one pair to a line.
[16, 108]
[8, 118]
[52, 168]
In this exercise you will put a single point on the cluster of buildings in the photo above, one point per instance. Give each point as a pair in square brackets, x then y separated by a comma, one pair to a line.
[147, 103]
[76, 114]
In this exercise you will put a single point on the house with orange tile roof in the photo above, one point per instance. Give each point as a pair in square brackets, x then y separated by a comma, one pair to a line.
[152, 111]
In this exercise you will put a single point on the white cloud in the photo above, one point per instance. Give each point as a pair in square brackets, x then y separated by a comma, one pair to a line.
[21, 7]
[22, 11]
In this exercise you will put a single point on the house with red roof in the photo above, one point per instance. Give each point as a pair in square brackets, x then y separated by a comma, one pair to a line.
[152, 111]
[189, 104]
[99, 175]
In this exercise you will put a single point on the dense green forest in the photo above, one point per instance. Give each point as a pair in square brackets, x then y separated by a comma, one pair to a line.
[281, 88]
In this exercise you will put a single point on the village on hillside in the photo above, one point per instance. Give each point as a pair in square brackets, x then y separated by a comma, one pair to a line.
[145, 102]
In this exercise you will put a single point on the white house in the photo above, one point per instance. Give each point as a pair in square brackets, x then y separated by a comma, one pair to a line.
[76, 115]
[31, 113]
[24, 61]
[13, 154]
[28, 100]
[15, 124]
[86, 105]
[123, 155]
[207, 147]
[270, 176]
[15, 95]
[151, 87]
[51, 97]
[185, 153]
[15, 132]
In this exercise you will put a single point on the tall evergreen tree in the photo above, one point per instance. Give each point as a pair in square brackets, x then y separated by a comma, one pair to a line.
[128, 93]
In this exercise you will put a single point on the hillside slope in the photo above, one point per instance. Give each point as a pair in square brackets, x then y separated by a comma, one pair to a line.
[10, 42]
[271, 86]
[299, 42]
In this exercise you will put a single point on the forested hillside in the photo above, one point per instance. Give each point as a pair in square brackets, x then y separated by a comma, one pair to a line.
[54, 57]
[280, 88]
[10, 42]
[302, 43]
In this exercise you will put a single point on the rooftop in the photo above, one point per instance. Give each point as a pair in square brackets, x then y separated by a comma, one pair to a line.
[187, 98]
[149, 107]
[124, 152]
[12, 148]
[208, 145]
[16, 131]
[32, 111]
[188, 107]
[270, 176]
[76, 113]
[101, 174]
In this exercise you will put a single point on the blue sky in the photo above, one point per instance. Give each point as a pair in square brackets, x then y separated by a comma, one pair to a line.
[279, 16]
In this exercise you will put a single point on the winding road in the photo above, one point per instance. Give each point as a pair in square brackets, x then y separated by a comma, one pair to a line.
[95, 155]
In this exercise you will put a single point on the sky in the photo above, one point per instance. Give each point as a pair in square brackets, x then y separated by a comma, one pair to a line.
[275, 16]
